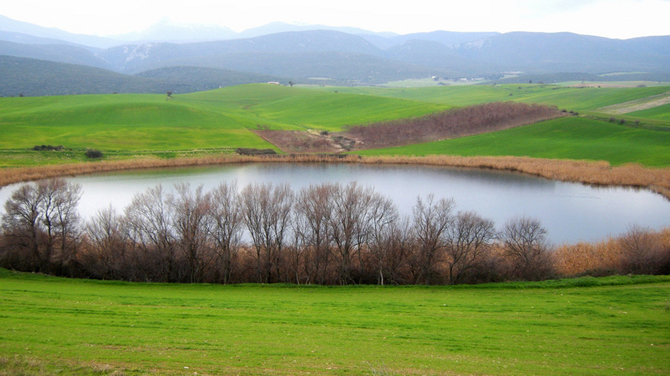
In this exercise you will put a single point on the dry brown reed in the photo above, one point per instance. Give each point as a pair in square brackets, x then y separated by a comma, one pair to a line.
[587, 172]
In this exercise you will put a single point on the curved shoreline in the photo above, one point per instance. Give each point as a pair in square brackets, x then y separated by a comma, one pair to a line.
[586, 172]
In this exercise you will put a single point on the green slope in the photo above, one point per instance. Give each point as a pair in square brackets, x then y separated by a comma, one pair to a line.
[658, 113]
[214, 119]
[565, 138]
[570, 98]
[552, 328]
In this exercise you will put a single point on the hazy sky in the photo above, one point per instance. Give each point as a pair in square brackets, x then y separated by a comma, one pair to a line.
[608, 18]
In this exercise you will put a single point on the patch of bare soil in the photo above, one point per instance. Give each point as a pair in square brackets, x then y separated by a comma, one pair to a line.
[301, 141]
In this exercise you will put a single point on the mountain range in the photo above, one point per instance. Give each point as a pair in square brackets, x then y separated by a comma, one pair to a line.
[318, 53]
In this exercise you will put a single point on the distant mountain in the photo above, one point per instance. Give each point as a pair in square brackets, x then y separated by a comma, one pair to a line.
[10, 36]
[61, 53]
[566, 52]
[166, 31]
[32, 77]
[8, 24]
[322, 67]
[282, 27]
[436, 55]
[134, 59]
[447, 38]
[344, 55]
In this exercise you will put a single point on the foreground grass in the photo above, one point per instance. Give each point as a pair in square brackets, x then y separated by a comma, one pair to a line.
[565, 138]
[610, 326]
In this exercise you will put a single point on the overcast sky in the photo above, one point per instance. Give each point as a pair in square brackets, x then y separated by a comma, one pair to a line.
[609, 18]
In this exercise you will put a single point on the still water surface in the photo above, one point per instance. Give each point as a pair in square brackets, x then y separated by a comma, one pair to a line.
[570, 212]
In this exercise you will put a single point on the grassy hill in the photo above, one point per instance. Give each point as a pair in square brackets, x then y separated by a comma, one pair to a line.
[215, 119]
[588, 326]
[570, 98]
[566, 138]
[222, 119]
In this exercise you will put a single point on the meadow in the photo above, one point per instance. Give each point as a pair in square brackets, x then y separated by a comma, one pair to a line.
[565, 138]
[219, 121]
[586, 326]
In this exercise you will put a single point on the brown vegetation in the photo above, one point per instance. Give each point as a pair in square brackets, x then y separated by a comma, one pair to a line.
[595, 173]
[327, 234]
[465, 121]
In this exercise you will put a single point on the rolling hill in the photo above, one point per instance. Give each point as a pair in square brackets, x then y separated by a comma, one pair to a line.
[32, 77]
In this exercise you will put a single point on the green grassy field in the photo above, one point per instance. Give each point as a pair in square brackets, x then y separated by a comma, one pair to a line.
[218, 121]
[609, 326]
[565, 138]
[564, 97]
[660, 113]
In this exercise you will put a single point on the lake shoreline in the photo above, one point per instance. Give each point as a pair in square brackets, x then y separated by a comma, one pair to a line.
[597, 173]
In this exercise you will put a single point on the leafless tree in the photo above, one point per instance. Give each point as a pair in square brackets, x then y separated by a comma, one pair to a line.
[42, 218]
[525, 243]
[227, 222]
[150, 218]
[191, 222]
[469, 240]
[351, 223]
[391, 246]
[314, 206]
[267, 215]
[432, 220]
[107, 258]
[21, 228]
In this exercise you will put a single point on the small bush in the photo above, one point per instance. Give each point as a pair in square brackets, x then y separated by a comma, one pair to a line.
[93, 154]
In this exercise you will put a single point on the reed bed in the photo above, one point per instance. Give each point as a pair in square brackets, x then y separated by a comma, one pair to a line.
[587, 172]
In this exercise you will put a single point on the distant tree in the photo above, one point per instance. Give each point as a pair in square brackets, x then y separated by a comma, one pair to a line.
[525, 243]
[291, 83]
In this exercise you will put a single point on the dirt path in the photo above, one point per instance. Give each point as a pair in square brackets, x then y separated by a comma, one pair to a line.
[638, 104]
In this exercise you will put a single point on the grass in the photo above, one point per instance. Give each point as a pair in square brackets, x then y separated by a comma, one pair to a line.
[609, 326]
[206, 120]
[570, 98]
[565, 138]
[218, 121]
[658, 113]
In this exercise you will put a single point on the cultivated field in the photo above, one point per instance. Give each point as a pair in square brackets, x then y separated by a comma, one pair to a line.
[587, 326]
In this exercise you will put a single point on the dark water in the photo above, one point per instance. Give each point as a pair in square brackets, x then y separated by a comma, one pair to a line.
[570, 212]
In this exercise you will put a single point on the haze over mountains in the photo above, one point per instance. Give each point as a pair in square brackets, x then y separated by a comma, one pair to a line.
[311, 53]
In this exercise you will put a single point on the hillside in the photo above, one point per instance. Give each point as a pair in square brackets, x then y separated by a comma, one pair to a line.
[32, 77]
[215, 119]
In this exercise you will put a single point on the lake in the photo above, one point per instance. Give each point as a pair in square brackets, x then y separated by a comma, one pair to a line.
[569, 211]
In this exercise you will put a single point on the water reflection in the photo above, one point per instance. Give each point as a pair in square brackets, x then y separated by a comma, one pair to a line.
[571, 212]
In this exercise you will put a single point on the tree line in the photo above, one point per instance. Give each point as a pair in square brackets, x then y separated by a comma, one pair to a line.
[330, 233]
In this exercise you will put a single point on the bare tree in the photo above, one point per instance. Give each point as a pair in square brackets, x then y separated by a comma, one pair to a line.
[191, 222]
[314, 206]
[525, 243]
[431, 225]
[350, 224]
[21, 229]
[149, 218]
[390, 247]
[267, 215]
[107, 251]
[43, 219]
[469, 239]
[227, 221]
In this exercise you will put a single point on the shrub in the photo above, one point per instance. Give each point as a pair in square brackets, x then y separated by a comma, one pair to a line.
[93, 154]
